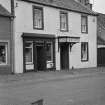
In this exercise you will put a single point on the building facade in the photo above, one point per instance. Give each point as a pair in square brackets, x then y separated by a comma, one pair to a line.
[53, 35]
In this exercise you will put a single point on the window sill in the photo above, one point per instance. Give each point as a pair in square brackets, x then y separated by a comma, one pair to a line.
[84, 32]
[64, 30]
[38, 28]
[84, 60]
[30, 63]
[4, 65]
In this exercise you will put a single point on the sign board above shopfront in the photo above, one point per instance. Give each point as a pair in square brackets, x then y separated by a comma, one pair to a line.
[63, 39]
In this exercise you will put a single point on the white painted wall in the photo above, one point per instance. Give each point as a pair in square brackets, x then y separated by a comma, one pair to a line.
[24, 23]
[6, 4]
[92, 41]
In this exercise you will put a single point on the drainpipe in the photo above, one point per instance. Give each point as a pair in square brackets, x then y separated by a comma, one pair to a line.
[13, 36]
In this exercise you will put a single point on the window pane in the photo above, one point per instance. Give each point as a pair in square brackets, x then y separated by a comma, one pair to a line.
[63, 21]
[84, 20]
[84, 51]
[2, 54]
[83, 28]
[28, 44]
[28, 54]
[84, 24]
[37, 18]
[49, 52]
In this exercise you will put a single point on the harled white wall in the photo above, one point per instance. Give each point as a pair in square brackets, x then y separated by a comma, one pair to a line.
[91, 38]
[24, 23]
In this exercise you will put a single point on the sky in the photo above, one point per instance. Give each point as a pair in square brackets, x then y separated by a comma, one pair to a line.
[98, 5]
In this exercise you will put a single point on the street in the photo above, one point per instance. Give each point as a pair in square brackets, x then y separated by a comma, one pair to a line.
[79, 90]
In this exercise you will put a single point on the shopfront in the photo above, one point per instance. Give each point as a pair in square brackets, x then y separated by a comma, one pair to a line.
[38, 52]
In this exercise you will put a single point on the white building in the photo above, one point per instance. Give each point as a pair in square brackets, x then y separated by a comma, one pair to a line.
[53, 34]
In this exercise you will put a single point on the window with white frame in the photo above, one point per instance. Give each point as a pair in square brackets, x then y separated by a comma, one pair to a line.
[63, 21]
[29, 52]
[3, 53]
[84, 24]
[37, 17]
[84, 51]
[49, 51]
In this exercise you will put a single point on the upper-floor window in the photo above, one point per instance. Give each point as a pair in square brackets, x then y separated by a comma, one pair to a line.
[37, 17]
[63, 21]
[84, 24]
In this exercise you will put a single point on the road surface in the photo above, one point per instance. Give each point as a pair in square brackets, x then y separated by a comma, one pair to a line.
[83, 90]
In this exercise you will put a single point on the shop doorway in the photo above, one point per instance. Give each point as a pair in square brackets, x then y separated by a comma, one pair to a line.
[64, 56]
[41, 58]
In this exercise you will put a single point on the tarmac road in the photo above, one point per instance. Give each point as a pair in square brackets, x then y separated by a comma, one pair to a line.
[78, 90]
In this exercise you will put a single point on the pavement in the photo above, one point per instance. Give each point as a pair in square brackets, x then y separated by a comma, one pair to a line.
[42, 76]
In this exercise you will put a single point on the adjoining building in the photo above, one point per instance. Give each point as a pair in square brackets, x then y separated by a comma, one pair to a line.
[53, 35]
[5, 41]
[101, 39]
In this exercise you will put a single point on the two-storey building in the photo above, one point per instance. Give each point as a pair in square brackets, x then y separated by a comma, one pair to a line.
[53, 34]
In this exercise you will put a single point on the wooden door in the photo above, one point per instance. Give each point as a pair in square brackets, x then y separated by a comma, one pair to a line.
[64, 53]
[41, 58]
[101, 57]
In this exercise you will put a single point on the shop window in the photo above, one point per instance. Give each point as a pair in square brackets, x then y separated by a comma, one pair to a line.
[84, 51]
[3, 53]
[63, 21]
[37, 17]
[28, 52]
[84, 24]
[49, 52]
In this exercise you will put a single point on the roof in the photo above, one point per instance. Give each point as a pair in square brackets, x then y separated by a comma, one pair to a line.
[101, 28]
[71, 5]
[4, 12]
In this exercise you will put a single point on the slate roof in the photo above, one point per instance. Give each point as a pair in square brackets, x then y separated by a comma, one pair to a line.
[71, 5]
[101, 29]
[4, 12]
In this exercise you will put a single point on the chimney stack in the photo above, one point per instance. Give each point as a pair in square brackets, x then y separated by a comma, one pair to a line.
[85, 3]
